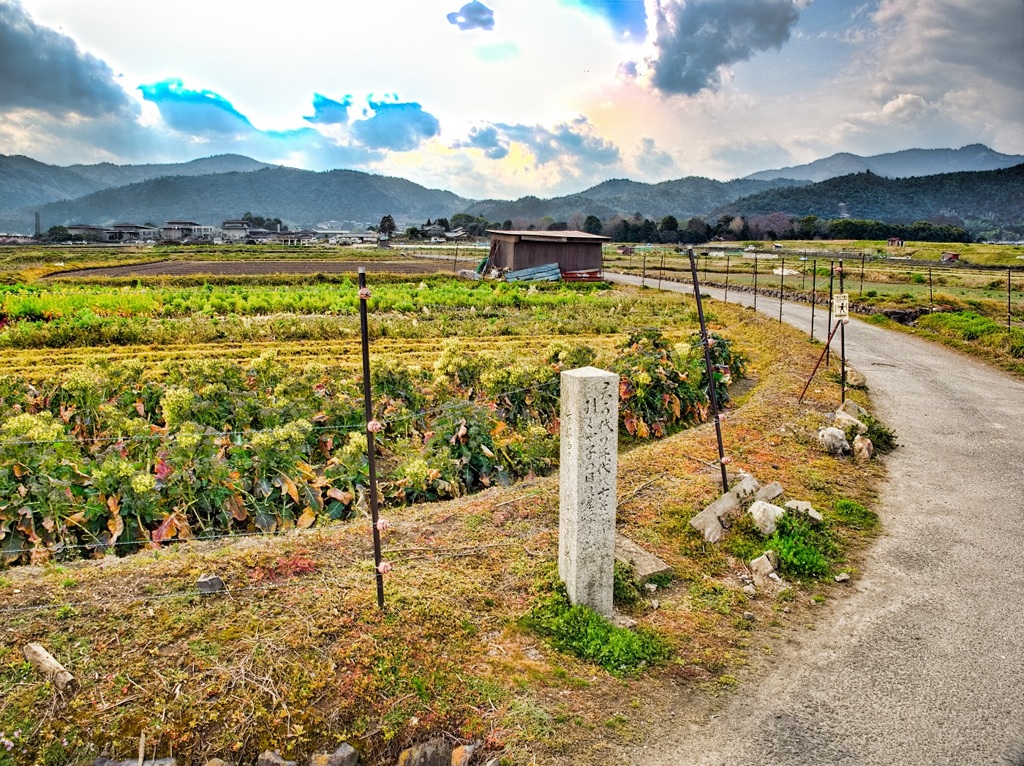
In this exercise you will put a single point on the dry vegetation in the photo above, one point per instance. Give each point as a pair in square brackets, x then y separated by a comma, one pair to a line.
[296, 656]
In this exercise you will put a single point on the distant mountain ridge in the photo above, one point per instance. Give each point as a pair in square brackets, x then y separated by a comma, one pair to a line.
[299, 197]
[993, 195]
[25, 182]
[683, 198]
[214, 189]
[903, 164]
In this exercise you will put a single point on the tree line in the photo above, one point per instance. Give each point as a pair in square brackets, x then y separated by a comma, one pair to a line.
[697, 231]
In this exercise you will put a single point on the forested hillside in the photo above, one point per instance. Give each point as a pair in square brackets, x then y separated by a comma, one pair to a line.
[26, 183]
[298, 197]
[994, 195]
[683, 198]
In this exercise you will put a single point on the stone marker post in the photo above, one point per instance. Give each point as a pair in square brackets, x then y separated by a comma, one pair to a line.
[589, 461]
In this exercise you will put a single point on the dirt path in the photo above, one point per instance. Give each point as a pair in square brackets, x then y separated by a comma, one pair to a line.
[923, 661]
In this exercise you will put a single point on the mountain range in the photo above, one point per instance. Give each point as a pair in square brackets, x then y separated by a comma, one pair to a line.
[904, 164]
[887, 187]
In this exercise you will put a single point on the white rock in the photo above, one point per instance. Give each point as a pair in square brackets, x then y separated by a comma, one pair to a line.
[766, 516]
[762, 566]
[833, 441]
[845, 421]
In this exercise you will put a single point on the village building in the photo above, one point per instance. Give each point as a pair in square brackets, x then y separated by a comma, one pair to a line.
[571, 250]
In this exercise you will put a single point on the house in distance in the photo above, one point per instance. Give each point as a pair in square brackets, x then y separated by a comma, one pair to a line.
[573, 251]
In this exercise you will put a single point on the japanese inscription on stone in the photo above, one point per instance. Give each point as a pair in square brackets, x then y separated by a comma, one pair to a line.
[589, 461]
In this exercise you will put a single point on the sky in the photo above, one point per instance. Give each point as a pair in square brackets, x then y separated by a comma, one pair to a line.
[507, 98]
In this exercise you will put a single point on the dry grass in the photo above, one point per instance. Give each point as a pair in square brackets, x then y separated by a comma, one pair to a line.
[296, 656]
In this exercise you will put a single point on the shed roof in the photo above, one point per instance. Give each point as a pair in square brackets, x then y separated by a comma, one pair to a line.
[551, 236]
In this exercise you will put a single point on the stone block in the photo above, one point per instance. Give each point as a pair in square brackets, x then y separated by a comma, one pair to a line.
[270, 758]
[209, 583]
[587, 491]
[645, 564]
[746, 488]
[346, 755]
[435, 752]
[726, 509]
[766, 516]
[707, 523]
[762, 566]
[462, 755]
[806, 510]
[853, 409]
[769, 492]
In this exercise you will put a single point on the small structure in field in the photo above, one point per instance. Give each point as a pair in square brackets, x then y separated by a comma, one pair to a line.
[947, 257]
[895, 241]
[572, 250]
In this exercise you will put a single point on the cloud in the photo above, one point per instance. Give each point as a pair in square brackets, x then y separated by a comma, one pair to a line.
[575, 141]
[474, 15]
[44, 70]
[398, 126]
[695, 38]
[195, 112]
[329, 112]
[489, 140]
[653, 162]
[628, 18]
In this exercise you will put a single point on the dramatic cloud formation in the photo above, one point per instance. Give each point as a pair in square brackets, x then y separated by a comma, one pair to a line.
[44, 70]
[197, 112]
[474, 15]
[396, 126]
[329, 112]
[697, 37]
[546, 97]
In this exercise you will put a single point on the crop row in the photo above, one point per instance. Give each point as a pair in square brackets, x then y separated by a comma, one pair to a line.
[109, 458]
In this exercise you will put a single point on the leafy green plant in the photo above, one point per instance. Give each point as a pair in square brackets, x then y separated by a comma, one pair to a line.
[728, 365]
[586, 634]
[802, 549]
[883, 438]
[656, 388]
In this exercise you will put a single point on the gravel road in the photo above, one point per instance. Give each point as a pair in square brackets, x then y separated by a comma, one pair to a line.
[922, 662]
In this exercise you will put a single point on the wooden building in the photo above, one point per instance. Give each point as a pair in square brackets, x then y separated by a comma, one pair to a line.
[571, 250]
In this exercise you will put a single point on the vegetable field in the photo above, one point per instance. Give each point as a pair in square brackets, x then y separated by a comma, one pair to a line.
[136, 413]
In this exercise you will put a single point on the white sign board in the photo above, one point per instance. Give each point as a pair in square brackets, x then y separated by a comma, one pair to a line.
[841, 305]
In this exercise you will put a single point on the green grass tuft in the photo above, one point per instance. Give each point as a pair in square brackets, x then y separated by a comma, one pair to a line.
[581, 631]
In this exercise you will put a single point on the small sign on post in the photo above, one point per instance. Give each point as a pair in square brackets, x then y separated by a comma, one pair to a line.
[841, 306]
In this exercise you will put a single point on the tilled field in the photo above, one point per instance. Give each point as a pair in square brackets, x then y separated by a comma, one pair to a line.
[244, 268]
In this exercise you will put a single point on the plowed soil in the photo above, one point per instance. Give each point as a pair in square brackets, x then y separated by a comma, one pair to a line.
[245, 268]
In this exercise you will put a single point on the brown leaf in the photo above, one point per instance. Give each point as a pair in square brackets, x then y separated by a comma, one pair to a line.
[140, 408]
[116, 526]
[236, 507]
[167, 529]
[114, 503]
[289, 486]
[19, 470]
[305, 521]
[342, 496]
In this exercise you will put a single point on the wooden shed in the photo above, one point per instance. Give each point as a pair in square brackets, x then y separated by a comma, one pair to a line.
[571, 250]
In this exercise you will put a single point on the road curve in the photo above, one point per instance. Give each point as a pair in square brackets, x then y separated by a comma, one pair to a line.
[922, 662]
